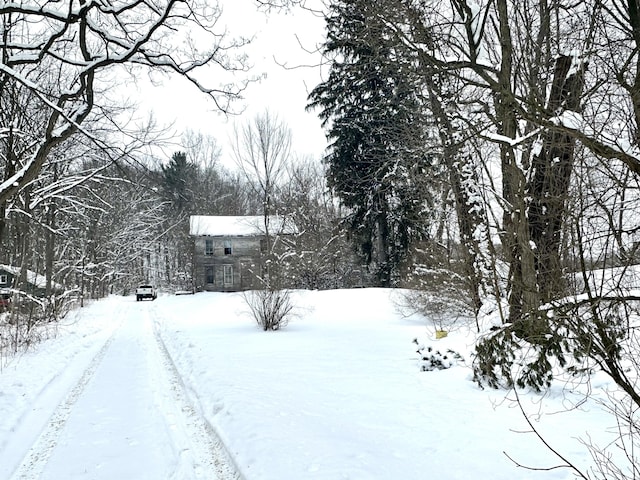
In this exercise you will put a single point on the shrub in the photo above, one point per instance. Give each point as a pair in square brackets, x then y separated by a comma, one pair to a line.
[270, 308]
[28, 320]
[431, 359]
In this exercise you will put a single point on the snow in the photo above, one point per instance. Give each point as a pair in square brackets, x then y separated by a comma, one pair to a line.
[157, 389]
[569, 119]
[33, 278]
[476, 23]
[513, 142]
[234, 226]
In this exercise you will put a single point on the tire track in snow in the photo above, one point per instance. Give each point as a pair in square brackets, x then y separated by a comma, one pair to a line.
[35, 461]
[206, 450]
[200, 452]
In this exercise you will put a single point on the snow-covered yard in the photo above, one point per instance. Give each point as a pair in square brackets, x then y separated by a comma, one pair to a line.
[337, 394]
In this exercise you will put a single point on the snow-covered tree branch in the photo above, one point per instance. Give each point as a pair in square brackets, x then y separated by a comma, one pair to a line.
[63, 57]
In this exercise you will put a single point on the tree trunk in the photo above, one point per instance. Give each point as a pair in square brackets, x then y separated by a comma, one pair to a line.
[548, 188]
[382, 247]
[50, 247]
[469, 213]
[634, 88]
[50, 228]
[523, 296]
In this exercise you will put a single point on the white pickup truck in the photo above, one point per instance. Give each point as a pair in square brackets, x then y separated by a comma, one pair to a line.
[146, 291]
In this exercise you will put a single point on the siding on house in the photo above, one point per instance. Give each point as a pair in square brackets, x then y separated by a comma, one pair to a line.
[216, 270]
[227, 250]
[6, 278]
[36, 283]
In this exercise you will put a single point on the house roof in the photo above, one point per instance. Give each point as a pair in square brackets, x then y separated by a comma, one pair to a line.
[40, 281]
[237, 226]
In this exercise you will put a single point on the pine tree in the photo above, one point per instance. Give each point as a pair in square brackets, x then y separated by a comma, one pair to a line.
[372, 105]
[177, 176]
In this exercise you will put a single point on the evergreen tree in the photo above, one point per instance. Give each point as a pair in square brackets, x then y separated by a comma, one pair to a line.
[372, 105]
[177, 177]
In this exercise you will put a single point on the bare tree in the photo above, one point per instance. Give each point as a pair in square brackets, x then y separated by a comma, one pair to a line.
[62, 56]
[262, 150]
[324, 257]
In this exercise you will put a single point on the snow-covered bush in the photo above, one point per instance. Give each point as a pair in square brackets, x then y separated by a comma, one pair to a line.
[443, 306]
[28, 320]
[435, 290]
[569, 336]
[271, 309]
[432, 359]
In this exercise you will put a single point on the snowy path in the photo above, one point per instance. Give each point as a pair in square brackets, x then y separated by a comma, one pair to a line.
[125, 416]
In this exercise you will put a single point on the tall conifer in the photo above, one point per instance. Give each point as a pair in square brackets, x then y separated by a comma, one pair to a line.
[372, 105]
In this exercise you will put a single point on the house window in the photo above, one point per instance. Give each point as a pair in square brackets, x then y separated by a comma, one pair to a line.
[228, 274]
[208, 246]
[208, 274]
[3, 279]
[227, 247]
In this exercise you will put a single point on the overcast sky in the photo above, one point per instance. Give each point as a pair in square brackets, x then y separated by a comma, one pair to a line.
[282, 91]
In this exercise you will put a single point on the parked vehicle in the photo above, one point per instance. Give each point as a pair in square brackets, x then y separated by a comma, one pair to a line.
[146, 291]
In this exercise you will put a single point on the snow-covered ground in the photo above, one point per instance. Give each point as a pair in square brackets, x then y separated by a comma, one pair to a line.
[189, 387]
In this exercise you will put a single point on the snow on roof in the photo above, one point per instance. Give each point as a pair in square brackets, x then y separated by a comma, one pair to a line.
[33, 278]
[236, 226]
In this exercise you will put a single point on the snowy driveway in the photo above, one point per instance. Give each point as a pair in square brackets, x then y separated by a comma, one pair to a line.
[338, 394]
[123, 415]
